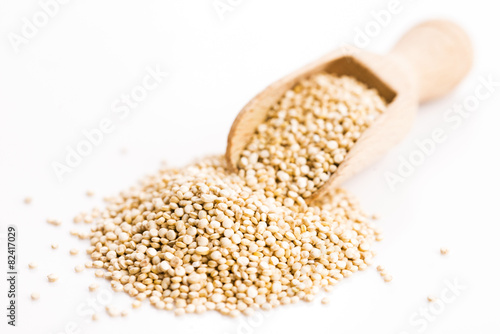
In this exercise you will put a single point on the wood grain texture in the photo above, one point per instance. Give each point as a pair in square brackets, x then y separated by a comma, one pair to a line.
[426, 63]
[440, 55]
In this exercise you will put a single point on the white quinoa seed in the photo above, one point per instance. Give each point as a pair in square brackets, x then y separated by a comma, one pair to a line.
[112, 311]
[179, 311]
[35, 296]
[52, 278]
[54, 222]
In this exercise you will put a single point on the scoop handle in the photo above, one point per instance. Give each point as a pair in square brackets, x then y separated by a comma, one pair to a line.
[439, 53]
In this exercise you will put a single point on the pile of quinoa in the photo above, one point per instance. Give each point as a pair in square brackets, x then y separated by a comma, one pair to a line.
[307, 134]
[199, 238]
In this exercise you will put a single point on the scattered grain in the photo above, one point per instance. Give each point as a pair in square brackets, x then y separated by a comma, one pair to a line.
[52, 278]
[55, 222]
[112, 311]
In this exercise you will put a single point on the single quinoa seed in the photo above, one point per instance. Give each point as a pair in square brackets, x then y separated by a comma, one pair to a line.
[32, 265]
[35, 296]
[54, 222]
[112, 311]
[444, 251]
[52, 278]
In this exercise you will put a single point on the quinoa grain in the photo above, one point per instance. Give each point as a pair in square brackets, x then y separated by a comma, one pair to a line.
[52, 278]
[54, 222]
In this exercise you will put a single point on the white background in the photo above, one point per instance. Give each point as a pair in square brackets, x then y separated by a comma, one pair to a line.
[67, 77]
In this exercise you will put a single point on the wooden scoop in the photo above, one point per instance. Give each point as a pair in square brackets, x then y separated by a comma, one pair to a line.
[425, 64]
